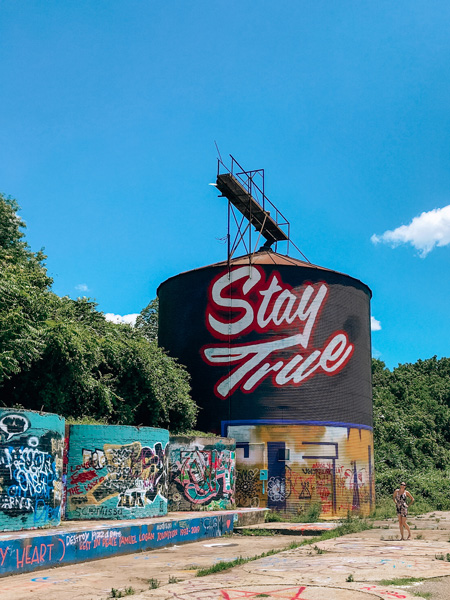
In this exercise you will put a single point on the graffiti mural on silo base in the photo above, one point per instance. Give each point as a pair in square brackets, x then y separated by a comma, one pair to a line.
[202, 473]
[31, 459]
[116, 472]
[300, 467]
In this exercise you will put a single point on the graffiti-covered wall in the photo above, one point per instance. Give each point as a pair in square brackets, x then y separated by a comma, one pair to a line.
[290, 467]
[202, 473]
[116, 472]
[31, 453]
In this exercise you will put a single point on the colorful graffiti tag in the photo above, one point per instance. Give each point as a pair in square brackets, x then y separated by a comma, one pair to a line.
[31, 449]
[328, 466]
[22, 554]
[201, 476]
[116, 480]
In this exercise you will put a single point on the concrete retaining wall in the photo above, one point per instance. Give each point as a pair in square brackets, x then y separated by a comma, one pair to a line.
[116, 472]
[32, 551]
[31, 459]
[202, 473]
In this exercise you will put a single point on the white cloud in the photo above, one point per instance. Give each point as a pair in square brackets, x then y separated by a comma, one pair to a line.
[375, 325]
[82, 287]
[426, 231]
[130, 319]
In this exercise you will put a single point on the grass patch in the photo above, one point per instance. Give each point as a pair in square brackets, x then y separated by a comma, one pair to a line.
[425, 595]
[349, 525]
[401, 581]
[260, 532]
[273, 516]
[384, 509]
[310, 515]
[153, 584]
[229, 564]
[173, 579]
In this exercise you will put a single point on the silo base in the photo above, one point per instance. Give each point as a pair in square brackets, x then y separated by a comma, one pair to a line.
[316, 468]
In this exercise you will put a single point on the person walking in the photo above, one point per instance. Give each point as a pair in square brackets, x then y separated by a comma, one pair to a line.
[400, 497]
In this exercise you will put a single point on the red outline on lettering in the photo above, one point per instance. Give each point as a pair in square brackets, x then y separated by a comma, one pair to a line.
[254, 299]
[237, 364]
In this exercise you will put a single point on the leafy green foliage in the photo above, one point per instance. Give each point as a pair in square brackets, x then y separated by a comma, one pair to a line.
[412, 429]
[61, 355]
[147, 321]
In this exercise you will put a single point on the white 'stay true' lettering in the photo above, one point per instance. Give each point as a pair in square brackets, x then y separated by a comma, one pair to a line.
[243, 301]
[253, 370]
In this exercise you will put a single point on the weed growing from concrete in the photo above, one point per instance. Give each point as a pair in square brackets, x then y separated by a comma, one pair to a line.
[273, 516]
[348, 525]
[419, 536]
[129, 591]
[225, 564]
[173, 579]
[153, 584]
[311, 515]
[401, 581]
[261, 532]
[350, 578]
[440, 556]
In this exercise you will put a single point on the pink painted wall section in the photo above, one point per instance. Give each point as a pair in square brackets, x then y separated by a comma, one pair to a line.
[290, 468]
[202, 473]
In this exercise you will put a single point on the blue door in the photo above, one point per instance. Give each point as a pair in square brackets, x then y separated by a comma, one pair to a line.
[276, 485]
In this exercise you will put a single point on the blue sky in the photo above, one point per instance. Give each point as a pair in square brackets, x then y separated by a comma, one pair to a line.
[109, 112]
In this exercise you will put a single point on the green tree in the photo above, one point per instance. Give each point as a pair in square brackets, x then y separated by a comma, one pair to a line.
[147, 321]
[61, 355]
[24, 292]
[412, 427]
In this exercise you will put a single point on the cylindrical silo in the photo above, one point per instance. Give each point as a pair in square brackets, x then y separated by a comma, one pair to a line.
[279, 355]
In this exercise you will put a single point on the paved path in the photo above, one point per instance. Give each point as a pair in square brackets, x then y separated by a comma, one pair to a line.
[317, 572]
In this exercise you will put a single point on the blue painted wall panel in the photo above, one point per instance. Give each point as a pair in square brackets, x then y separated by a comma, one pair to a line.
[22, 554]
[116, 472]
[31, 461]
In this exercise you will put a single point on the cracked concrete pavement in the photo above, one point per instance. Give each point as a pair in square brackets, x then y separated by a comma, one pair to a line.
[354, 567]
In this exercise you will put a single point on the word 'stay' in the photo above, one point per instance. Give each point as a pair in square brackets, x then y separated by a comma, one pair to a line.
[241, 302]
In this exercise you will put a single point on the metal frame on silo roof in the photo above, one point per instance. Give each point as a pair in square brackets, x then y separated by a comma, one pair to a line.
[245, 191]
